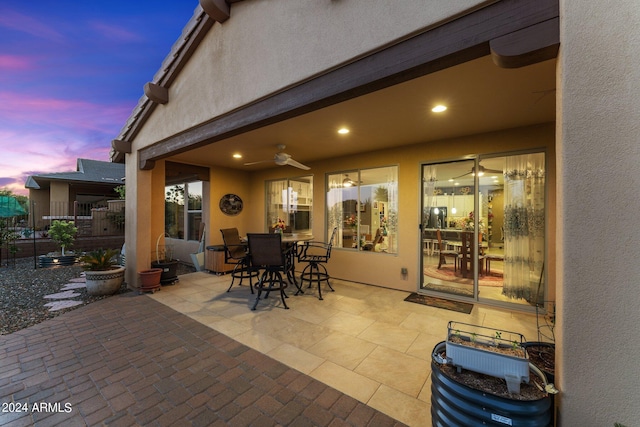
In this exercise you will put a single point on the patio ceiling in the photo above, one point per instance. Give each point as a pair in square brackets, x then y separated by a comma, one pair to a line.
[481, 97]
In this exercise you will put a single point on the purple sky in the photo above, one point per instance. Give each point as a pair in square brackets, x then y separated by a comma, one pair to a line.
[71, 72]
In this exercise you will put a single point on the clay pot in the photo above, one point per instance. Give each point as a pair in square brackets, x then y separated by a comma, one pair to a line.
[150, 279]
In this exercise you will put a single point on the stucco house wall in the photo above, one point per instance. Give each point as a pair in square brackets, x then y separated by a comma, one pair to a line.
[598, 157]
[597, 154]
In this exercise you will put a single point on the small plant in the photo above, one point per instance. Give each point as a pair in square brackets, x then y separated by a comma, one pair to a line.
[121, 190]
[63, 233]
[99, 260]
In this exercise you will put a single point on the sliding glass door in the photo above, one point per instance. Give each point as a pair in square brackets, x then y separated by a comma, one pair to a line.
[483, 228]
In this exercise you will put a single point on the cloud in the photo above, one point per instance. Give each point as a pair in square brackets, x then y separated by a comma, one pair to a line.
[16, 21]
[14, 62]
[115, 33]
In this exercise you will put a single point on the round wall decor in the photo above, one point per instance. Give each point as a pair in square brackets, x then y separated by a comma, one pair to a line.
[231, 204]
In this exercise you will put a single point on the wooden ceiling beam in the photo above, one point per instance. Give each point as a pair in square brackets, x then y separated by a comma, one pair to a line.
[528, 46]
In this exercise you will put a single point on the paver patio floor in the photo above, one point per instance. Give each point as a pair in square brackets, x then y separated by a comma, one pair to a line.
[129, 360]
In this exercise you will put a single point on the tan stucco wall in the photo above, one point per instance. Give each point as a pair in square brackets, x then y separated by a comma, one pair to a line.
[597, 165]
[234, 66]
[59, 192]
[598, 176]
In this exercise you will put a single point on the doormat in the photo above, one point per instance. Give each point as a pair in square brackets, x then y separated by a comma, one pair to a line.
[460, 307]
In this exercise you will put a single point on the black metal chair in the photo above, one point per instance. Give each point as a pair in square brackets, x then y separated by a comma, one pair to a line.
[316, 255]
[235, 252]
[266, 254]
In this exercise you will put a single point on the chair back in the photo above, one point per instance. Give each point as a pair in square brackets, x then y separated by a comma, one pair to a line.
[330, 242]
[265, 249]
[232, 243]
[439, 237]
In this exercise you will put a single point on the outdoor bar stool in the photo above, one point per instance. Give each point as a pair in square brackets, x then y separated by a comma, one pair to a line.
[266, 254]
[316, 254]
[235, 252]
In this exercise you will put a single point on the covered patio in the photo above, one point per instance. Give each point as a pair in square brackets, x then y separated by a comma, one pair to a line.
[366, 342]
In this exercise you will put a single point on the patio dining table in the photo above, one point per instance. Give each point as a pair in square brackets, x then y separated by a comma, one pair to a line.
[290, 248]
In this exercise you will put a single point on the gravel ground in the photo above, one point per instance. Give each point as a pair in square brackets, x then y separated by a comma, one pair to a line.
[23, 287]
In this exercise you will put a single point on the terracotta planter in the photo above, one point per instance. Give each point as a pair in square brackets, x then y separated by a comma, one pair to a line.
[150, 279]
[105, 282]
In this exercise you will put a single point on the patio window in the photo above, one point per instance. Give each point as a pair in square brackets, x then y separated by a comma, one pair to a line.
[181, 223]
[290, 200]
[363, 205]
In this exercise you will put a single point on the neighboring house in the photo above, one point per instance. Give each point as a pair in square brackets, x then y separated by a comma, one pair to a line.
[69, 195]
[543, 92]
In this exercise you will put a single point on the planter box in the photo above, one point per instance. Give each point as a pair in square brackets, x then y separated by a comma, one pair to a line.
[458, 403]
[488, 351]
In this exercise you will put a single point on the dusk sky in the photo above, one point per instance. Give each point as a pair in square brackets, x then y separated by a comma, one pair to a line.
[71, 72]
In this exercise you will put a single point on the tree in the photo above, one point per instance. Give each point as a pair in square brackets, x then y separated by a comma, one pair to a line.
[63, 233]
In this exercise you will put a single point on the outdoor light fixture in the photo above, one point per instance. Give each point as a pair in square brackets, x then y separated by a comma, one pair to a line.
[343, 131]
[439, 109]
[237, 156]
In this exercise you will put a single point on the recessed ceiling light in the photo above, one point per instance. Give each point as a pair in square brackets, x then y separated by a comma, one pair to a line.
[343, 131]
[439, 109]
[237, 156]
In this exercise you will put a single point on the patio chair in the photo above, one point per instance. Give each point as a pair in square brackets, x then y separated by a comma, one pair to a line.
[316, 254]
[266, 254]
[235, 252]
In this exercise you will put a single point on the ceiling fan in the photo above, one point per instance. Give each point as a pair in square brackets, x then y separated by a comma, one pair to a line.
[348, 182]
[281, 159]
[481, 171]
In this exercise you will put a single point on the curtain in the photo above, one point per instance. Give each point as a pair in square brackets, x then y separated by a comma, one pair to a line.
[429, 184]
[276, 209]
[524, 220]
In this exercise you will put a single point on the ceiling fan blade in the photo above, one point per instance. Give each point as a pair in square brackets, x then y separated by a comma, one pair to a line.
[296, 164]
[493, 171]
[255, 163]
[456, 177]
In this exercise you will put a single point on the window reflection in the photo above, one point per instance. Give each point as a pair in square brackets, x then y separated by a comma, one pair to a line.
[363, 205]
[290, 201]
[181, 223]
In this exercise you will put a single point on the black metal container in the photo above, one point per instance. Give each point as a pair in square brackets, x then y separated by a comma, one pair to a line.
[457, 405]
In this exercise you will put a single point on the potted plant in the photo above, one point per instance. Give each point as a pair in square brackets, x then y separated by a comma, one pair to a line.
[64, 234]
[102, 275]
[165, 261]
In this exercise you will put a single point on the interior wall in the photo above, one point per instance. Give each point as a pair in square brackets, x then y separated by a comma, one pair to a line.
[598, 156]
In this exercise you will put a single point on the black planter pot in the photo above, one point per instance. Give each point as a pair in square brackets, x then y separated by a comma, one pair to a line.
[457, 405]
[169, 271]
[45, 261]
